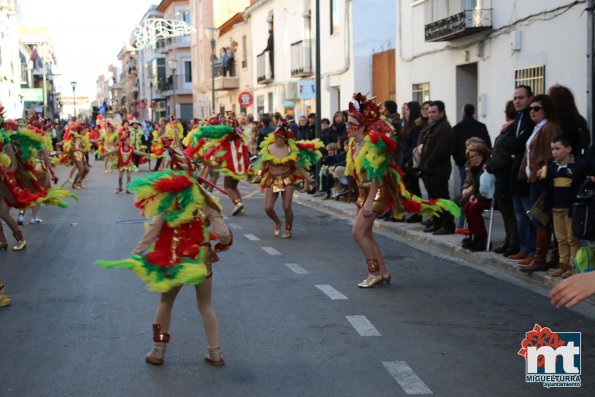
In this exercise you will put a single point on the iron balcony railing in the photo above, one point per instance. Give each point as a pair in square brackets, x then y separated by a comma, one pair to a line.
[301, 59]
[264, 73]
[461, 24]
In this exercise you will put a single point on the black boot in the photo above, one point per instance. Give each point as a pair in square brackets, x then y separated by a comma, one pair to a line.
[479, 244]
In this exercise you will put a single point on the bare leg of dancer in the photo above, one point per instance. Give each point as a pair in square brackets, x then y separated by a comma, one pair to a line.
[287, 197]
[269, 207]
[231, 188]
[80, 167]
[362, 234]
[120, 177]
[12, 224]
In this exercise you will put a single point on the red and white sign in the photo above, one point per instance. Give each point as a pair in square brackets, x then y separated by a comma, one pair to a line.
[245, 99]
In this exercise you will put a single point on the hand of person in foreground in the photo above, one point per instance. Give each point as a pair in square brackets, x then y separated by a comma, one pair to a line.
[573, 290]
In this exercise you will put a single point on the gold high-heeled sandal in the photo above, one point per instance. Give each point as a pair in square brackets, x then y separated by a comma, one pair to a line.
[371, 280]
[3, 246]
[386, 277]
[21, 243]
[277, 231]
[5, 299]
[287, 232]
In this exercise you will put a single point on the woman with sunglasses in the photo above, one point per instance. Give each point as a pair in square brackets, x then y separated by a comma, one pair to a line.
[538, 153]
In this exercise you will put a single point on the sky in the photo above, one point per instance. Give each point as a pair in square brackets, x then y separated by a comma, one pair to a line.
[87, 35]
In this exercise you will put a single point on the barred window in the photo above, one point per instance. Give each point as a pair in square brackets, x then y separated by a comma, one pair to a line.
[420, 92]
[533, 77]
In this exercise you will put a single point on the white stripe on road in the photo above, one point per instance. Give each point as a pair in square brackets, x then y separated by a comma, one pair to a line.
[251, 237]
[363, 326]
[406, 378]
[296, 268]
[235, 226]
[331, 292]
[252, 194]
[271, 251]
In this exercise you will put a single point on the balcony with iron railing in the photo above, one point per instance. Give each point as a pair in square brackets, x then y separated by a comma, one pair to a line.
[264, 72]
[166, 86]
[301, 59]
[446, 21]
[226, 77]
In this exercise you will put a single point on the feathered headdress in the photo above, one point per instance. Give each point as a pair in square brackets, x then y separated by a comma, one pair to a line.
[367, 113]
[283, 130]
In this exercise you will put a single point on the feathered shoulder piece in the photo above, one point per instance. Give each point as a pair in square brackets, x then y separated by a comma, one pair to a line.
[374, 157]
[309, 152]
[266, 156]
[209, 132]
[173, 195]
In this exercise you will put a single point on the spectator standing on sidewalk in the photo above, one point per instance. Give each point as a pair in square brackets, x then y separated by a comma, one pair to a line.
[410, 130]
[573, 124]
[519, 189]
[564, 176]
[499, 165]
[538, 153]
[435, 165]
[266, 129]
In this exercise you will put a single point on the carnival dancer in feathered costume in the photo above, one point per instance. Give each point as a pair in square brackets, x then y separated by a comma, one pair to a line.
[176, 249]
[76, 144]
[19, 180]
[369, 161]
[43, 165]
[124, 161]
[282, 164]
[107, 142]
[230, 154]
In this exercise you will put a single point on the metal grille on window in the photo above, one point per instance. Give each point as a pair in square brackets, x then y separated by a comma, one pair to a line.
[420, 92]
[533, 77]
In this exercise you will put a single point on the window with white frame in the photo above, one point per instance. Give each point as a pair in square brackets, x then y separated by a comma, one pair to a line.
[420, 92]
[533, 77]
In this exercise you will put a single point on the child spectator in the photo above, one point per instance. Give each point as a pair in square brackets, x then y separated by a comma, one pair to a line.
[563, 177]
[330, 163]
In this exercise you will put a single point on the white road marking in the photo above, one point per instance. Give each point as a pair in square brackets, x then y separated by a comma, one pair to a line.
[331, 292]
[235, 226]
[363, 326]
[252, 194]
[271, 251]
[296, 268]
[406, 378]
[251, 237]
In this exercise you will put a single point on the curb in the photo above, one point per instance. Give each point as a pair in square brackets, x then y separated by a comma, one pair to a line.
[413, 236]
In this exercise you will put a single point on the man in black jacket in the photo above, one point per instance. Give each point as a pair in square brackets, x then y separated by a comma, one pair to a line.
[522, 129]
[435, 165]
[467, 128]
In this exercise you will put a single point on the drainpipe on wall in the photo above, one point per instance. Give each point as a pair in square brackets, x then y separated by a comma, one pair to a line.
[590, 65]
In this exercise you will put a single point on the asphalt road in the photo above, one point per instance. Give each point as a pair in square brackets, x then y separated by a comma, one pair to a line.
[292, 319]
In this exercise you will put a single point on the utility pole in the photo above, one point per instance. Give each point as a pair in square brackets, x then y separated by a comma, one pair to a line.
[590, 66]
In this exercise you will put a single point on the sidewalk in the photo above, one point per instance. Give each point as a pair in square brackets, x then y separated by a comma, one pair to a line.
[449, 245]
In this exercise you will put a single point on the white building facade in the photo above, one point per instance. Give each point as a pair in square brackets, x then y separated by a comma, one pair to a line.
[10, 63]
[350, 33]
[477, 51]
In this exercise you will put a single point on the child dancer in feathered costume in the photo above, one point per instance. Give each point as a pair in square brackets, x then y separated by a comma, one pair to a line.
[230, 154]
[107, 142]
[283, 163]
[369, 161]
[75, 146]
[124, 161]
[179, 250]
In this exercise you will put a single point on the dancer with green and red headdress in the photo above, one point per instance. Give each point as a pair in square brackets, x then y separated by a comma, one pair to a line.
[379, 181]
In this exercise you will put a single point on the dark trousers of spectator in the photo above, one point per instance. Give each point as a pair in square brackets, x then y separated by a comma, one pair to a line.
[474, 215]
[327, 183]
[158, 164]
[438, 188]
[510, 228]
[525, 227]
[136, 159]
[412, 184]
[462, 175]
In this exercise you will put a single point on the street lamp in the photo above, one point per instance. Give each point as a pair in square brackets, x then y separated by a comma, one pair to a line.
[172, 64]
[150, 80]
[212, 33]
[73, 85]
